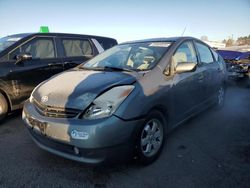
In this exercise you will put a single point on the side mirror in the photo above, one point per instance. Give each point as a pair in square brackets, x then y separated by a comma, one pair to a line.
[185, 67]
[167, 70]
[23, 57]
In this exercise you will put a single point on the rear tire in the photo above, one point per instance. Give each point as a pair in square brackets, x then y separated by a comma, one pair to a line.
[3, 107]
[150, 138]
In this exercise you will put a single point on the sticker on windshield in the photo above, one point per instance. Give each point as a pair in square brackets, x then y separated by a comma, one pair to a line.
[13, 39]
[160, 44]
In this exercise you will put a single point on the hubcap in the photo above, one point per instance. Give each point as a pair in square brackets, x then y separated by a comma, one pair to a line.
[221, 93]
[151, 137]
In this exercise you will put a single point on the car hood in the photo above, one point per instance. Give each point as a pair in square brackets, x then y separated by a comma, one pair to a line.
[77, 89]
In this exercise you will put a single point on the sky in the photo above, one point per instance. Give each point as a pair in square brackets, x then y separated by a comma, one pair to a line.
[128, 20]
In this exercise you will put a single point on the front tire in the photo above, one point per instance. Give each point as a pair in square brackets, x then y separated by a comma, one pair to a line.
[3, 107]
[151, 138]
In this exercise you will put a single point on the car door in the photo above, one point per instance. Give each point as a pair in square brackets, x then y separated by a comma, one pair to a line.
[44, 63]
[211, 68]
[76, 51]
[188, 87]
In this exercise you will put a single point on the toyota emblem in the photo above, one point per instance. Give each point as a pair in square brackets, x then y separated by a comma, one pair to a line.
[44, 99]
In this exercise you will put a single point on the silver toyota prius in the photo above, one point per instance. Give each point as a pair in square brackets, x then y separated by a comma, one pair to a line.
[123, 102]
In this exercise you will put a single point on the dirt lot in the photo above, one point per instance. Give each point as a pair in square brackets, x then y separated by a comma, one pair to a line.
[210, 150]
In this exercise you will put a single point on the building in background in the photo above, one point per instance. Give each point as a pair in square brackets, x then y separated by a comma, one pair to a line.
[215, 44]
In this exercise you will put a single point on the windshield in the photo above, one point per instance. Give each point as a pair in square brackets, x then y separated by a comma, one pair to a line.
[5, 42]
[134, 56]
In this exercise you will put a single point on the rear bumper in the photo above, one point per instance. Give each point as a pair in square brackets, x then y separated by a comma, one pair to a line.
[110, 139]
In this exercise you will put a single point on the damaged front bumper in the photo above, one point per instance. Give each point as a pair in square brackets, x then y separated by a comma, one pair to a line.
[88, 141]
[238, 71]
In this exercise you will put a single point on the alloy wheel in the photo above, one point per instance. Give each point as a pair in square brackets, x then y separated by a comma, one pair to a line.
[151, 137]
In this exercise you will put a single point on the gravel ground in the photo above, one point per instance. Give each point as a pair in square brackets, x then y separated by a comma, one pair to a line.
[210, 150]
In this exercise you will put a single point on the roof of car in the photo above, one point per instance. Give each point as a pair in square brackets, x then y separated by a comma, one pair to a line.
[57, 34]
[232, 55]
[169, 39]
[229, 54]
[20, 35]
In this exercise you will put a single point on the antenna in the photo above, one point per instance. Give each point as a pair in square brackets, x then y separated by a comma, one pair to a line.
[183, 31]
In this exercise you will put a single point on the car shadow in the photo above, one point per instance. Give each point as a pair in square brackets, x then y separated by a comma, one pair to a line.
[11, 116]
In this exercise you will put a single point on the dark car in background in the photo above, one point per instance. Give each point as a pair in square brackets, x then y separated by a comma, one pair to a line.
[238, 63]
[28, 59]
[122, 102]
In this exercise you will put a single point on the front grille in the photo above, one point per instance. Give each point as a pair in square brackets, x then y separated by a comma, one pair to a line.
[56, 112]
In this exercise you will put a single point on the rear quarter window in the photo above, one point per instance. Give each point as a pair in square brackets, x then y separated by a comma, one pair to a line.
[106, 43]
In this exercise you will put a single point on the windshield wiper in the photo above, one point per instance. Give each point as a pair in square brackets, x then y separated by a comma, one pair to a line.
[107, 68]
[117, 69]
[91, 68]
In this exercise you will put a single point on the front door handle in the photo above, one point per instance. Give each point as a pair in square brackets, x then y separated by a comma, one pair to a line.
[200, 78]
[219, 70]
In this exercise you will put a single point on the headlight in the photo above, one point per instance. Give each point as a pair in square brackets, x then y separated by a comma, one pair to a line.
[107, 103]
[31, 99]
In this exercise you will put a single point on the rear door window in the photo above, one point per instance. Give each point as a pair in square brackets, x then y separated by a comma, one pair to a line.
[77, 47]
[216, 56]
[204, 53]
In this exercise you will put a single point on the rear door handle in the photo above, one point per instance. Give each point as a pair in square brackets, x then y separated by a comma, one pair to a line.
[54, 64]
[70, 63]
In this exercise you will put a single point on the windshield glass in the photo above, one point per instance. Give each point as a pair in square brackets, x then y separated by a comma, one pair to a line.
[5, 42]
[134, 56]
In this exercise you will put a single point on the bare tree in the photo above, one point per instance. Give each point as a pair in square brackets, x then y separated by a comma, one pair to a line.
[229, 42]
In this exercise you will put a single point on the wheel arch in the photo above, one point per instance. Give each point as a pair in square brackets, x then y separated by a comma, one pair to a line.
[4, 93]
[163, 110]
